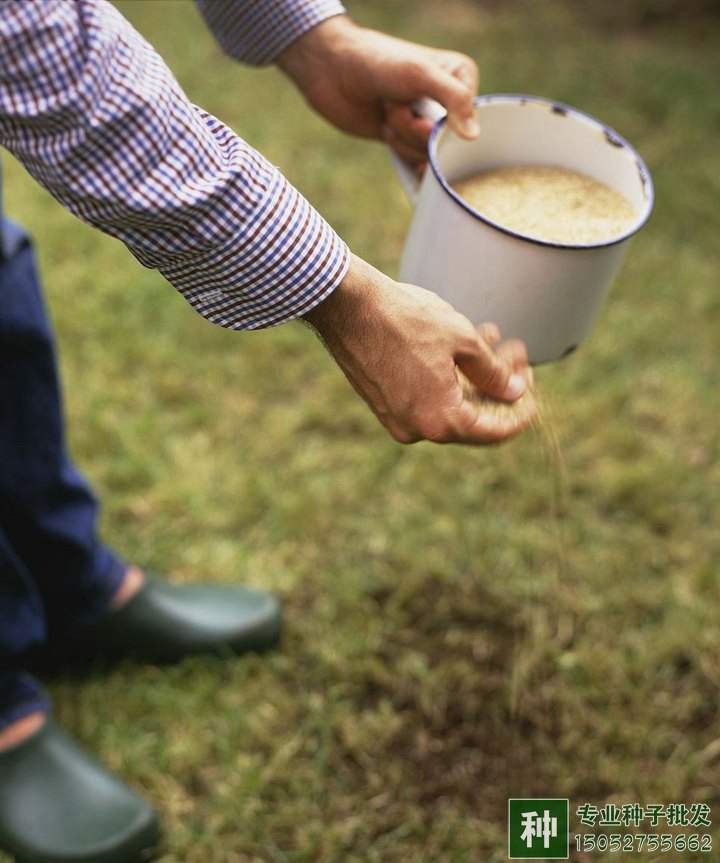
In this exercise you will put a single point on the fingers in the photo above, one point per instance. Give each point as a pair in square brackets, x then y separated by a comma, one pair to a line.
[448, 77]
[472, 421]
[490, 372]
[487, 422]
[407, 153]
[515, 353]
[489, 332]
[402, 128]
[453, 82]
[465, 69]
[457, 413]
[483, 421]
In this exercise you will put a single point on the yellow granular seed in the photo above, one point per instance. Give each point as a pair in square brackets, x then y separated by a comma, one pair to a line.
[532, 640]
[547, 203]
[504, 411]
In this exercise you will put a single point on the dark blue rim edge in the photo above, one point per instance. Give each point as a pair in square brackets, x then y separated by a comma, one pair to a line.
[559, 107]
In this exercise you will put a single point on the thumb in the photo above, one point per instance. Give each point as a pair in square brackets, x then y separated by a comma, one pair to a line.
[454, 88]
[491, 374]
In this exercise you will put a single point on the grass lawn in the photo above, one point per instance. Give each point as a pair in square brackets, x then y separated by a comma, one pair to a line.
[456, 634]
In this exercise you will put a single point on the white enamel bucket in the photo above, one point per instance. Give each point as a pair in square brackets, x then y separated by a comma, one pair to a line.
[547, 294]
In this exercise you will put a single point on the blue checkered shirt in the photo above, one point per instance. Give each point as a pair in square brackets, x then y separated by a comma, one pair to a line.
[95, 115]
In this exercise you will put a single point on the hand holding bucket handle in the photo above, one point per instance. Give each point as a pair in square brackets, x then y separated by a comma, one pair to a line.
[407, 175]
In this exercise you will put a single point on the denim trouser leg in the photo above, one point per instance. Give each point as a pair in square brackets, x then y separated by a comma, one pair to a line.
[54, 571]
[22, 623]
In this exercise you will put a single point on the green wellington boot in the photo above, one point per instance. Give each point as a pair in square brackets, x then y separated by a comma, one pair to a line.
[166, 623]
[58, 805]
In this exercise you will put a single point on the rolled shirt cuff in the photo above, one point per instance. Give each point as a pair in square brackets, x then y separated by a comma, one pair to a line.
[282, 265]
[257, 32]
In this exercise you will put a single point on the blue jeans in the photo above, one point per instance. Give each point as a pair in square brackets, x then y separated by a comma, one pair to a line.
[55, 574]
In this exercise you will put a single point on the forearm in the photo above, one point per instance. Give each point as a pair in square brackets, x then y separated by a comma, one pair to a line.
[321, 49]
[120, 146]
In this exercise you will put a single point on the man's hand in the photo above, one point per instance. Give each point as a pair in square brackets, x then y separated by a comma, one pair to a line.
[401, 346]
[365, 82]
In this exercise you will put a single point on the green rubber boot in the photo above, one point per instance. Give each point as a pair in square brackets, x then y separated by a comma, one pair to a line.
[165, 623]
[58, 805]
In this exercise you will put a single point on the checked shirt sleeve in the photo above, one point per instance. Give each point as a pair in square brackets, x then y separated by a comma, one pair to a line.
[95, 115]
[256, 31]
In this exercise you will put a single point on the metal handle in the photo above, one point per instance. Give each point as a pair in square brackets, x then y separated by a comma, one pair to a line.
[409, 180]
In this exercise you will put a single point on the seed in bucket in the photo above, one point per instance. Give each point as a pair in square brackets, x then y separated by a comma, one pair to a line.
[548, 203]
